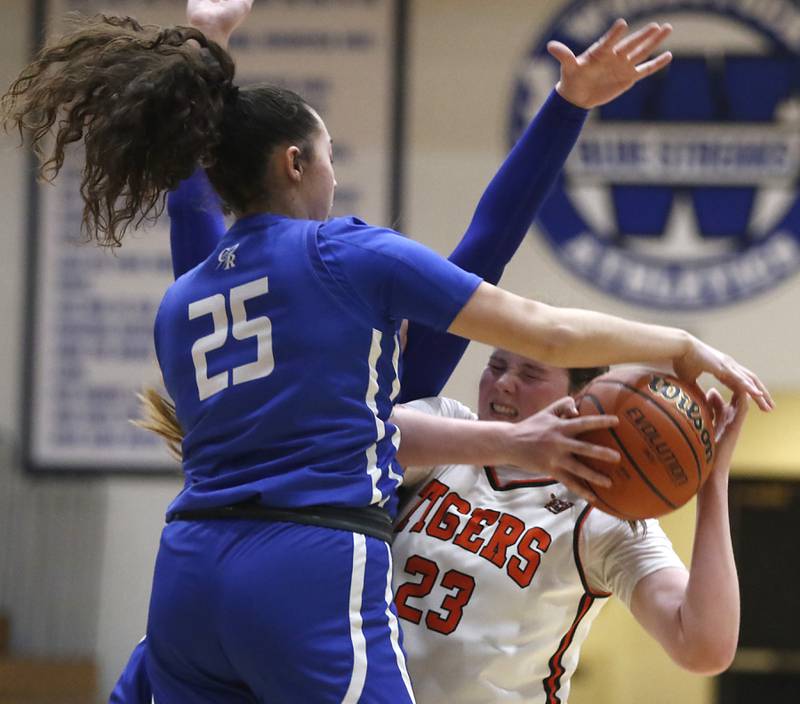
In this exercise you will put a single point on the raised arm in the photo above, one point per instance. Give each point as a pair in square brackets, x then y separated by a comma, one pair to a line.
[196, 224]
[512, 200]
[504, 214]
[695, 615]
[195, 212]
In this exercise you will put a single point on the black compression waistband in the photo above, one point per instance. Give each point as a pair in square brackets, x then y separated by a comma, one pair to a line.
[367, 520]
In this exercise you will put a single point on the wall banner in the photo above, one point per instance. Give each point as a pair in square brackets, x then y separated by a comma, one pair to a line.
[682, 194]
[91, 311]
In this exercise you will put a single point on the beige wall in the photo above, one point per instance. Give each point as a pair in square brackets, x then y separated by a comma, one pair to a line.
[462, 54]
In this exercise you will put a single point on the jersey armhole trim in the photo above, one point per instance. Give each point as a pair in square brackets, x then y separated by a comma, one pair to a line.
[576, 537]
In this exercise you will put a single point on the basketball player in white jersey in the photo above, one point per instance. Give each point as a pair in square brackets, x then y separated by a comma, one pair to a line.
[498, 575]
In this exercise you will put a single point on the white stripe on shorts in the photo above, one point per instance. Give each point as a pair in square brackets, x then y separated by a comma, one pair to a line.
[394, 629]
[373, 388]
[359, 675]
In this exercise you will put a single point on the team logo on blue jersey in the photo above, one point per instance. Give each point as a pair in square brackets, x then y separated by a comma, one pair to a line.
[227, 257]
[682, 193]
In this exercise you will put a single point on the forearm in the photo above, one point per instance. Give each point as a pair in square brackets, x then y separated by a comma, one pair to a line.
[196, 224]
[503, 216]
[709, 613]
[695, 615]
[566, 337]
[428, 440]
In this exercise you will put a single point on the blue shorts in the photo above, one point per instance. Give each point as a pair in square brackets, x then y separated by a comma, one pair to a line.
[133, 685]
[254, 611]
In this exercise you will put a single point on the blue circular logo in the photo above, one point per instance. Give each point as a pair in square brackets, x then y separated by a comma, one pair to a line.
[683, 192]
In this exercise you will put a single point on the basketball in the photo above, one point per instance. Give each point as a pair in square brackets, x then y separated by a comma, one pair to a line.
[665, 437]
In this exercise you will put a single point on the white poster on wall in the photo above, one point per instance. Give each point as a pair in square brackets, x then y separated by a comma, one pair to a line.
[92, 311]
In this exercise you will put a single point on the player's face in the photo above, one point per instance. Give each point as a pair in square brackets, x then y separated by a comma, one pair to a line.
[319, 181]
[513, 387]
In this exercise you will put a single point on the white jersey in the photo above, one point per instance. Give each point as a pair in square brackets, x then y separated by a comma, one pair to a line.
[498, 576]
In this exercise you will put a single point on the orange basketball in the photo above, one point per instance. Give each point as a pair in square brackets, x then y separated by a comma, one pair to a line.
[665, 437]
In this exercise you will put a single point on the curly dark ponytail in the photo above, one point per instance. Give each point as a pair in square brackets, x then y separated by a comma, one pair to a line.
[147, 102]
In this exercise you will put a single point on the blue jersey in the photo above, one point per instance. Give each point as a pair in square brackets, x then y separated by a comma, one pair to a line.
[281, 351]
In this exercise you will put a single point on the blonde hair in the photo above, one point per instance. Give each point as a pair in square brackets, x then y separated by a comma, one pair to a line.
[158, 416]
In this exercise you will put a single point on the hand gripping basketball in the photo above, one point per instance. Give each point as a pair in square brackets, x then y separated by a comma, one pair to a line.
[548, 443]
[703, 358]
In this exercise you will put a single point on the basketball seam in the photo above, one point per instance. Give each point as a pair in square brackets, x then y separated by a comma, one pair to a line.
[671, 420]
[619, 513]
[622, 447]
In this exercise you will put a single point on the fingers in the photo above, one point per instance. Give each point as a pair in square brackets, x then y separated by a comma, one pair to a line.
[585, 424]
[650, 67]
[639, 51]
[722, 413]
[634, 41]
[717, 404]
[562, 53]
[740, 406]
[760, 386]
[576, 468]
[728, 430]
[613, 35]
[596, 452]
[563, 408]
[744, 381]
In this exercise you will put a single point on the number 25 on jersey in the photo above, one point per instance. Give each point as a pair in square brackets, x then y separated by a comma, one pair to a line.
[241, 328]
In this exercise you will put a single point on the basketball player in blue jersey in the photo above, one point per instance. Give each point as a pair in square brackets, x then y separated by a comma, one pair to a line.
[280, 352]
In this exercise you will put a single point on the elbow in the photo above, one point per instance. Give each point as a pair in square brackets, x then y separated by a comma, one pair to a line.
[710, 658]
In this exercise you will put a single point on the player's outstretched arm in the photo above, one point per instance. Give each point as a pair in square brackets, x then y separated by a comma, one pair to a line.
[695, 615]
[503, 216]
[571, 337]
[195, 211]
[512, 199]
[546, 443]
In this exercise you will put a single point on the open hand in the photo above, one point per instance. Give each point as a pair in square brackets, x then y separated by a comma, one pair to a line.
[547, 443]
[611, 65]
[217, 19]
[703, 358]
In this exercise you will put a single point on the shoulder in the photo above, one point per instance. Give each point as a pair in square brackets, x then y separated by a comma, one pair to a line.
[442, 407]
[601, 526]
[351, 227]
[349, 233]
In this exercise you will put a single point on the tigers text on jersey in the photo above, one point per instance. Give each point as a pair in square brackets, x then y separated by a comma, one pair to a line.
[499, 575]
[281, 352]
